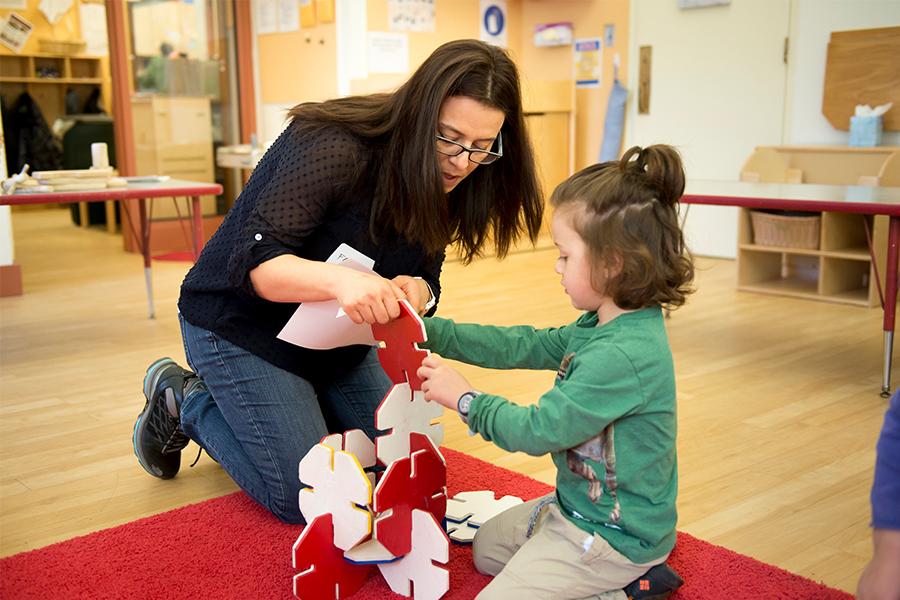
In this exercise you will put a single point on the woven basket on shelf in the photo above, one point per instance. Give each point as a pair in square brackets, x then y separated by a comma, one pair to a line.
[785, 231]
[65, 47]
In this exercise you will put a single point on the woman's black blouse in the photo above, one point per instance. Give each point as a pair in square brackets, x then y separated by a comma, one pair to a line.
[301, 199]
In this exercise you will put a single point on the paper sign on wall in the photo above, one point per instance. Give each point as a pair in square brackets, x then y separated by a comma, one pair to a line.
[388, 52]
[588, 63]
[15, 32]
[493, 22]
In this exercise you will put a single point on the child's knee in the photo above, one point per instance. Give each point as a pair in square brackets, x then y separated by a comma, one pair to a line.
[488, 554]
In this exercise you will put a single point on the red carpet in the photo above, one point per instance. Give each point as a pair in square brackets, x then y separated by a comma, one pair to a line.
[230, 548]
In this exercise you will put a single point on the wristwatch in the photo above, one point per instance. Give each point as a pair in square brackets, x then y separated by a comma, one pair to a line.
[432, 299]
[463, 405]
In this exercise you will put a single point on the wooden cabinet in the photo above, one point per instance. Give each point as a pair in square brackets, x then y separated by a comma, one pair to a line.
[173, 136]
[550, 118]
[841, 268]
[82, 74]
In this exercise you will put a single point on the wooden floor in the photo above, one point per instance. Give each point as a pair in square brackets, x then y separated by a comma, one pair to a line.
[779, 407]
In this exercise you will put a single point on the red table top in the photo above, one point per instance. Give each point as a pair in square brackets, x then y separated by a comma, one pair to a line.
[795, 196]
[134, 190]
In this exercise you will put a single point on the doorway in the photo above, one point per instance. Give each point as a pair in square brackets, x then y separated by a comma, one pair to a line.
[184, 81]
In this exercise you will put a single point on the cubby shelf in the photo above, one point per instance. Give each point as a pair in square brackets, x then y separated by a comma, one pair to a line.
[839, 270]
[80, 73]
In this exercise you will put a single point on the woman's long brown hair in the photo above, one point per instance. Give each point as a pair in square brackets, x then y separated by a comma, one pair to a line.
[496, 203]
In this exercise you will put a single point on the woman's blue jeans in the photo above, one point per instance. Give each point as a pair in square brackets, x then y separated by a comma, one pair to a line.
[259, 421]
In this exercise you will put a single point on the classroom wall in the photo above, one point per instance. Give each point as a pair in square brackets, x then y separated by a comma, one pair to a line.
[720, 87]
[812, 24]
[67, 28]
[589, 18]
[333, 61]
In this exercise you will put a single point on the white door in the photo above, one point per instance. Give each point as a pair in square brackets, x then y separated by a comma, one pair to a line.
[717, 90]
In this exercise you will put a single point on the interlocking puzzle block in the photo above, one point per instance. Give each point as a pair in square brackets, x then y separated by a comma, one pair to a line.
[356, 442]
[430, 543]
[467, 511]
[417, 482]
[338, 486]
[401, 358]
[325, 572]
[405, 412]
[370, 552]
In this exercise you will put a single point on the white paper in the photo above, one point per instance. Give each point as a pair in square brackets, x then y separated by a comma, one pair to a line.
[288, 16]
[324, 325]
[864, 110]
[266, 16]
[54, 9]
[93, 28]
[411, 15]
[388, 52]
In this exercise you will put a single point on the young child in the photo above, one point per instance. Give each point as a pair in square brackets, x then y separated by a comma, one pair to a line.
[609, 421]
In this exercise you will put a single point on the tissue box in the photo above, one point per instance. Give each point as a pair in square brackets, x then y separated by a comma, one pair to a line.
[866, 131]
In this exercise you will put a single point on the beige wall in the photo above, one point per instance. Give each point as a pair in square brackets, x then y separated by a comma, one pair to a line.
[589, 18]
[294, 68]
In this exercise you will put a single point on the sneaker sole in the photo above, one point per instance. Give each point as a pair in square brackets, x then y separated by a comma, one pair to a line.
[151, 379]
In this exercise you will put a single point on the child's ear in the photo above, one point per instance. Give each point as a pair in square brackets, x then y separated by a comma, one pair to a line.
[614, 265]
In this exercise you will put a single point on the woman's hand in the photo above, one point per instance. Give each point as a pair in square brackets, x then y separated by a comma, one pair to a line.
[369, 298]
[441, 383]
[366, 298]
[417, 291]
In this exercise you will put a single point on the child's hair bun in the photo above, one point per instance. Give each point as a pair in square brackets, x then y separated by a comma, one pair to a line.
[661, 167]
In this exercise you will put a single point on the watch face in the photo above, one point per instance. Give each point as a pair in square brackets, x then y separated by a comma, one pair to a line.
[464, 401]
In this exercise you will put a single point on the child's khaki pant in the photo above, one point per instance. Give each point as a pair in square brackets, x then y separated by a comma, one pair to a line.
[552, 563]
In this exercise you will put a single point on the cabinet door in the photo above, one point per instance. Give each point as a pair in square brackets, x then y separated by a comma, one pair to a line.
[190, 121]
[550, 137]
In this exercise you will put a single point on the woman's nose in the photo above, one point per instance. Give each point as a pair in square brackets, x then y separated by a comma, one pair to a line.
[460, 161]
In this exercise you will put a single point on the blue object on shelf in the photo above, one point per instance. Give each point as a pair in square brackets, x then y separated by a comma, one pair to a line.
[866, 131]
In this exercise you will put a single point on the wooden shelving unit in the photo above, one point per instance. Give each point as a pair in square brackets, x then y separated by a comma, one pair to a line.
[83, 74]
[840, 270]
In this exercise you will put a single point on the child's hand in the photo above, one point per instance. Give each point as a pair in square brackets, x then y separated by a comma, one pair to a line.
[441, 383]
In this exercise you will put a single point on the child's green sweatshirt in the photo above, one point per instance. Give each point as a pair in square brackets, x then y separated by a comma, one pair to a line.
[609, 421]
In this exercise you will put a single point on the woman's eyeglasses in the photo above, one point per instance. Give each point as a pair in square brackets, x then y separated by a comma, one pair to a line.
[476, 155]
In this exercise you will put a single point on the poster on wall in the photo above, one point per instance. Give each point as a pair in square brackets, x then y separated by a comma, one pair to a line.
[15, 32]
[493, 22]
[388, 53]
[588, 63]
[288, 16]
[93, 28]
[411, 15]
[266, 16]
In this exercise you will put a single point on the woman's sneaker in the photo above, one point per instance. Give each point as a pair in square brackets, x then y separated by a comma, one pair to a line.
[158, 437]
